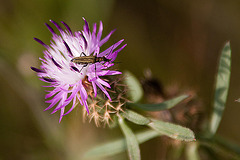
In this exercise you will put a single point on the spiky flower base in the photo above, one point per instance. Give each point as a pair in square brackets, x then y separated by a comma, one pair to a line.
[101, 109]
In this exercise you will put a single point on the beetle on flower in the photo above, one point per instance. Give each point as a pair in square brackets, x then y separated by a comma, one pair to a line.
[71, 80]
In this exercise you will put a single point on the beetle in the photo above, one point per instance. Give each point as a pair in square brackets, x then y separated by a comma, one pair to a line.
[85, 60]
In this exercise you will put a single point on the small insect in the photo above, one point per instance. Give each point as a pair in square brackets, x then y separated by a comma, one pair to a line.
[85, 60]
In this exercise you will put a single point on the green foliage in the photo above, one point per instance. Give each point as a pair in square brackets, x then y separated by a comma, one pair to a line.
[131, 140]
[220, 146]
[231, 146]
[119, 145]
[164, 128]
[221, 89]
[192, 151]
[159, 128]
[135, 117]
[159, 106]
[135, 89]
[172, 130]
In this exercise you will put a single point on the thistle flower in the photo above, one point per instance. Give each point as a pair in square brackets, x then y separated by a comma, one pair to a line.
[74, 82]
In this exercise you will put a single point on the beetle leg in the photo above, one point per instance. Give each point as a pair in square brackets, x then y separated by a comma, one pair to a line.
[82, 54]
[85, 65]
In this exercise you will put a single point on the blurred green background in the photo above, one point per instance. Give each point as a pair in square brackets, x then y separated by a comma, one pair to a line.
[180, 41]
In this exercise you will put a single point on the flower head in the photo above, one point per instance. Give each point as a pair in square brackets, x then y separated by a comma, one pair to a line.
[74, 81]
[102, 110]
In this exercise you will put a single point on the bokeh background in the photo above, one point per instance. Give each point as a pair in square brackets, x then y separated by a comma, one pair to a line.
[180, 41]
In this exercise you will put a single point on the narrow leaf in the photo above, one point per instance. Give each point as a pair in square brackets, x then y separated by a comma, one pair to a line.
[159, 106]
[172, 130]
[135, 89]
[192, 151]
[132, 143]
[221, 90]
[135, 117]
[228, 145]
[222, 145]
[119, 145]
[222, 149]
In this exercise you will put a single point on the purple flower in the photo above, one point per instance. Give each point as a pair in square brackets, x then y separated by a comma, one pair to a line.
[71, 81]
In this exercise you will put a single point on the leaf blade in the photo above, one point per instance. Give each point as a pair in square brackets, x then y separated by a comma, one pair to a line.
[221, 88]
[135, 117]
[192, 151]
[135, 89]
[159, 106]
[132, 143]
[119, 145]
[172, 130]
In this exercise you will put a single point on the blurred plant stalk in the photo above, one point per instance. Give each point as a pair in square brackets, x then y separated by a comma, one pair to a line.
[48, 128]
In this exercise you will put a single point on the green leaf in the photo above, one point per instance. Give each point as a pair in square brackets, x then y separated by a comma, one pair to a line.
[221, 146]
[228, 145]
[176, 152]
[172, 130]
[192, 151]
[132, 143]
[119, 145]
[221, 89]
[146, 135]
[135, 117]
[135, 89]
[159, 106]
